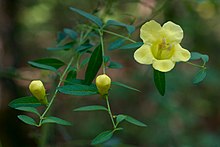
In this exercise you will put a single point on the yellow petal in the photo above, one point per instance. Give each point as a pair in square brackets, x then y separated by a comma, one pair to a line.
[163, 65]
[172, 32]
[180, 54]
[144, 55]
[149, 32]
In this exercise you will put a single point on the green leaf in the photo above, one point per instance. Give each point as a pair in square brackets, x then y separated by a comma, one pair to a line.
[52, 119]
[63, 47]
[84, 62]
[129, 28]
[83, 48]
[28, 101]
[199, 77]
[125, 86]
[76, 82]
[115, 65]
[78, 90]
[60, 36]
[131, 46]
[47, 64]
[159, 80]
[91, 108]
[91, 17]
[117, 129]
[28, 120]
[70, 76]
[106, 59]
[28, 109]
[196, 56]
[134, 121]
[94, 64]
[116, 44]
[72, 34]
[120, 118]
[102, 137]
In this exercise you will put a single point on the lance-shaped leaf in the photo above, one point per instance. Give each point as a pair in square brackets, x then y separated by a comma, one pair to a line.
[199, 77]
[76, 81]
[116, 44]
[60, 36]
[28, 120]
[28, 101]
[129, 119]
[71, 33]
[52, 119]
[28, 109]
[196, 56]
[70, 76]
[84, 62]
[78, 90]
[94, 65]
[134, 121]
[159, 80]
[61, 47]
[91, 17]
[83, 48]
[131, 46]
[106, 59]
[129, 28]
[120, 118]
[115, 65]
[102, 137]
[91, 108]
[47, 64]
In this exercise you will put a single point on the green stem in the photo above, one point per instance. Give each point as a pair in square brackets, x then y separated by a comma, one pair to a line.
[103, 50]
[196, 65]
[112, 33]
[121, 36]
[84, 36]
[77, 62]
[110, 112]
[56, 91]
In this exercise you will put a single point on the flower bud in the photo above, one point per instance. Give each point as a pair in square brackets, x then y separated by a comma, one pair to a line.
[103, 83]
[37, 89]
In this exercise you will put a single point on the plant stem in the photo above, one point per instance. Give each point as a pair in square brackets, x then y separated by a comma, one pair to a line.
[121, 36]
[110, 112]
[56, 91]
[103, 50]
[196, 65]
[77, 62]
[112, 33]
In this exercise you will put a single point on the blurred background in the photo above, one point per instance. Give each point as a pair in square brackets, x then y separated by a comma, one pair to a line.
[187, 116]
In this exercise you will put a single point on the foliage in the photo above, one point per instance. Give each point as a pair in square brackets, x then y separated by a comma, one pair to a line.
[87, 46]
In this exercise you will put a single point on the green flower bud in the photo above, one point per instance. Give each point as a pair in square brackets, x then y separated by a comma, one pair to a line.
[37, 89]
[103, 83]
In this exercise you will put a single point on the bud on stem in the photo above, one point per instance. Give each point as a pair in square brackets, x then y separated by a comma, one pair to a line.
[103, 83]
[37, 89]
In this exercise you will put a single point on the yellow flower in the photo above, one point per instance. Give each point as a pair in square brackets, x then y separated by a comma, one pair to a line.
[161, 46]
[37, 89]
[103, 83]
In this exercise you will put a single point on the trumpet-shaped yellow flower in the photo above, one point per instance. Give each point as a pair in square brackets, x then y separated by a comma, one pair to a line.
[161, 46]
[103, 83]
[37, 89]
